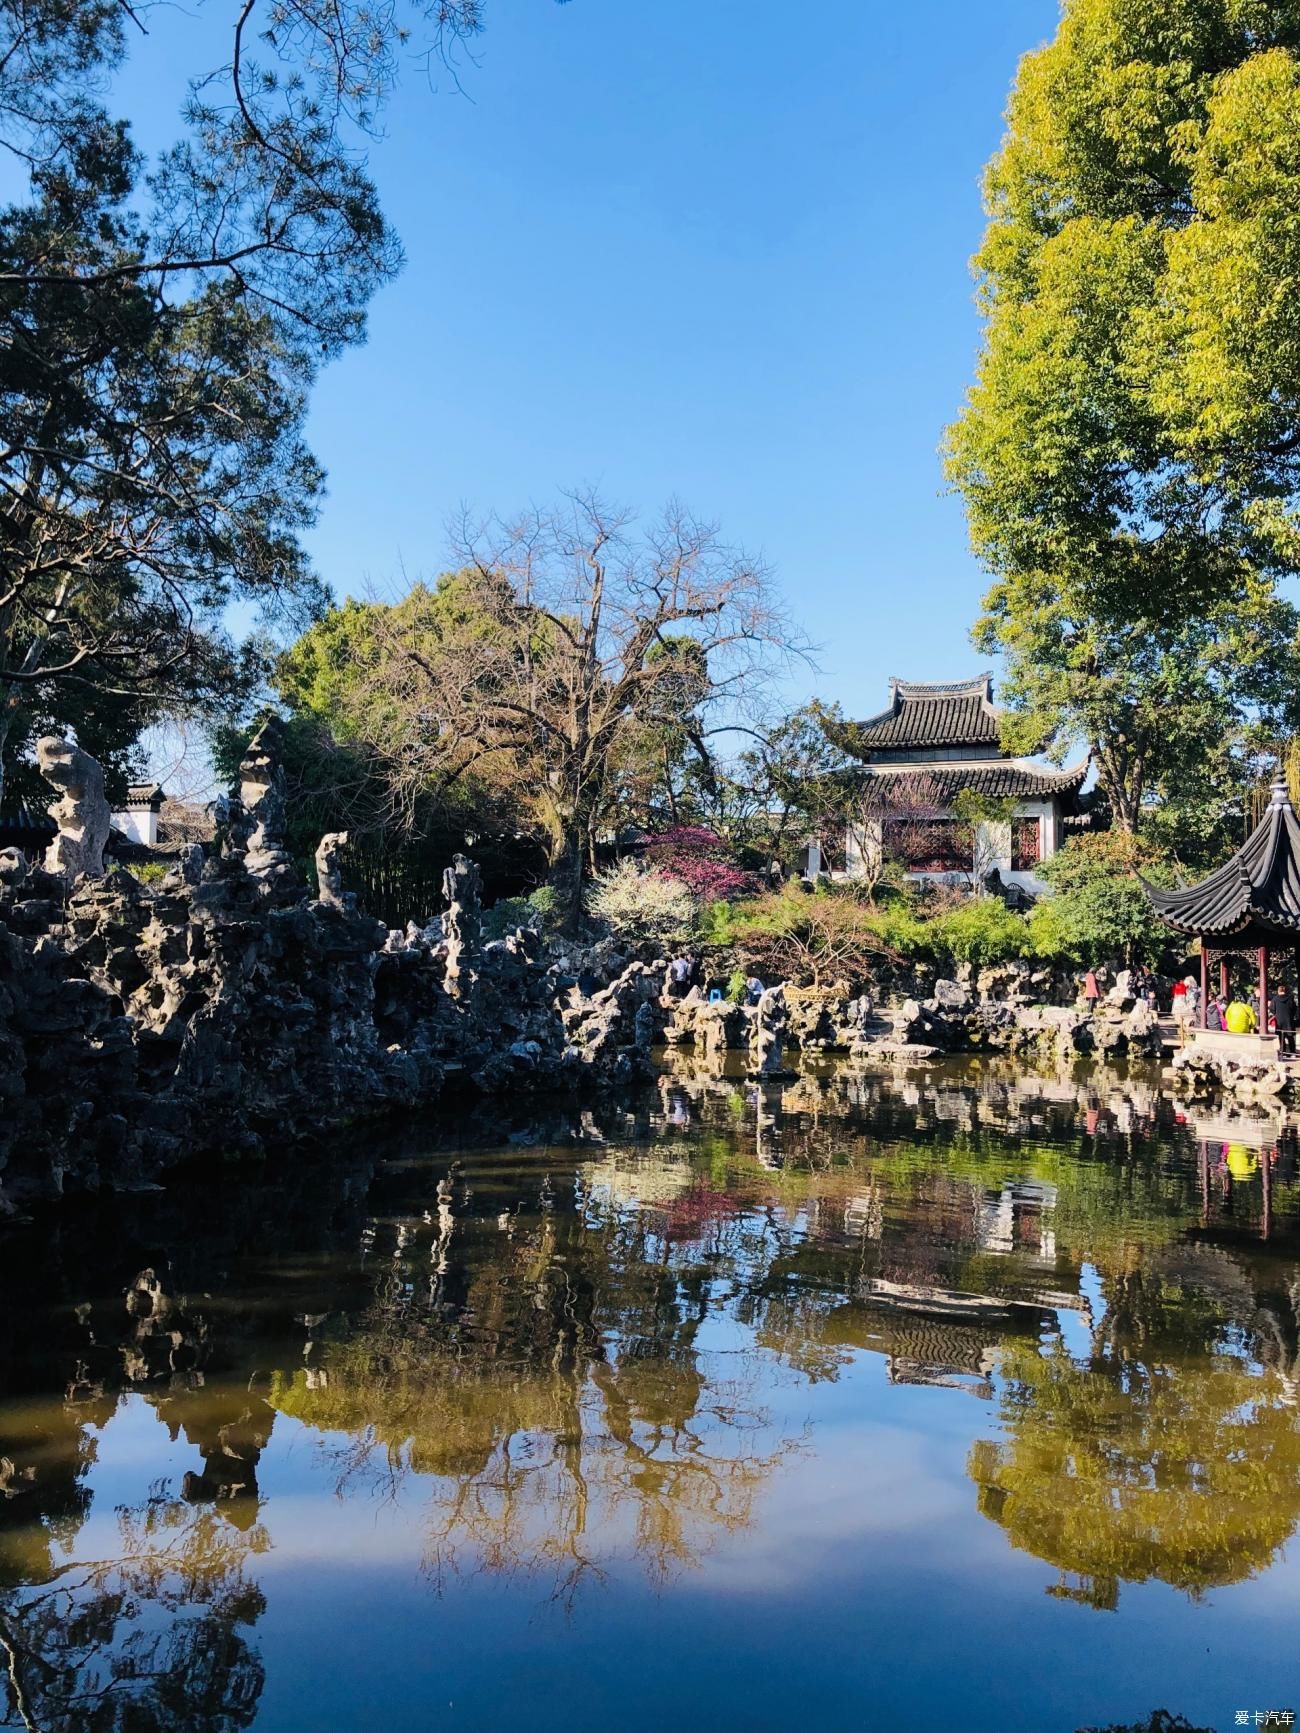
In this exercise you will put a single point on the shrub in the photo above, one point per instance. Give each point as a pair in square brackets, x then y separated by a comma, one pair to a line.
[736, 986]
[537, 909]
[905, 931]
[1101, 909]
[148, 872]
[719, 924]
[642, 906]
[789, 935]
[980, 931]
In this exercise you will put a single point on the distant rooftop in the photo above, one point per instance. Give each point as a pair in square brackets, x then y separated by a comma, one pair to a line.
[927, 716]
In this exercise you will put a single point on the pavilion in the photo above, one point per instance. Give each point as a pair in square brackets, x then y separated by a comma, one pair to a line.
[1250, 904]
[931, 744]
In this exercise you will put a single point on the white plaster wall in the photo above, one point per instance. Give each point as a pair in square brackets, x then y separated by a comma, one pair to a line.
[140, 824]
[862, 846]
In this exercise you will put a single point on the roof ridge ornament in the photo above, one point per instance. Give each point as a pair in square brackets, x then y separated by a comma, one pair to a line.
[1281, 791]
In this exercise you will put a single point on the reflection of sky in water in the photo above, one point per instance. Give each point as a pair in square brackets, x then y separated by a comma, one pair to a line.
[865, 1588]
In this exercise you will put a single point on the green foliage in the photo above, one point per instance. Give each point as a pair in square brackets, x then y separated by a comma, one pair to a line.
[980, 931]
[904, 929]
[1100, 910]
[148, 872]
[1128, 451]
[720, 923]
[811, 939]
[161, 328]
[538, 909]
[736, 987]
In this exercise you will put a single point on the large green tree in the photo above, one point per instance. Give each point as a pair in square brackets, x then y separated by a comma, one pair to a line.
[1129, 450]
[161, 323]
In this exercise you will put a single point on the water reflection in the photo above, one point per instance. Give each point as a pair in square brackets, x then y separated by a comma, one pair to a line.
[569, 1348]
[542, 1364]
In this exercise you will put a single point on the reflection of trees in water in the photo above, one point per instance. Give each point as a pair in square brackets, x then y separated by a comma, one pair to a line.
[151, 1637]
[1170, 1453]
[560, 1402]
[572, 1353]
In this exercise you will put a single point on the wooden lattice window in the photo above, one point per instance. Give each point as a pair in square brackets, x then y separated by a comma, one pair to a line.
[935, 845]
[1026, 844]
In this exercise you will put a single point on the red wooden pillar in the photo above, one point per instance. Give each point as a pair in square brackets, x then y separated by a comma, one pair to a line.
[1263, 989]
[1205, 983]
[1223, 979]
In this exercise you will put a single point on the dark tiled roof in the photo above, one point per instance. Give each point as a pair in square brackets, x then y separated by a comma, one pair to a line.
[925, 717]
[1009, 781]
[22, 821]
[1251, 895]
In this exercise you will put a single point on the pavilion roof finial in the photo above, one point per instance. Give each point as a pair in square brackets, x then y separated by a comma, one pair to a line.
[1281, 790]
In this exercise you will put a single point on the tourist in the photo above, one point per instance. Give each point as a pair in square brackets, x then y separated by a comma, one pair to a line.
[1091, 991]
[679, 976]
[753, 990]
[1193, 995]
[1214, 1015]
[1283, 1019]
[1240, 1018]
[1181, 1011]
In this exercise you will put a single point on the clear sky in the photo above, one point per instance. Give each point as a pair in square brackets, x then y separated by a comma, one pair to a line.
[716, 248]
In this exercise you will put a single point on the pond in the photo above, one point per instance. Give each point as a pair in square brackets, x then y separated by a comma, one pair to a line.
[964, 1398]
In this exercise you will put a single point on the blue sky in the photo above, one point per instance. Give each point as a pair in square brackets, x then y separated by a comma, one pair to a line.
[716, 248]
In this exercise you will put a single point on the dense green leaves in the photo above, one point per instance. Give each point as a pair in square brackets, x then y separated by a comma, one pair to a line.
[1129, 449]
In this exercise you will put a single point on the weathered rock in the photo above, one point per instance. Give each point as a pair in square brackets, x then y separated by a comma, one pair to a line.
[13, 867]
[767, 1043]
[329, 870]
[951, 995]
[81, 812]
[463, 921]
[140, 1025]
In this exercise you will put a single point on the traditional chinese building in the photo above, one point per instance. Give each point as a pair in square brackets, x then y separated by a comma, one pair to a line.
[1249, 906]
[138, 819]
[917, 757]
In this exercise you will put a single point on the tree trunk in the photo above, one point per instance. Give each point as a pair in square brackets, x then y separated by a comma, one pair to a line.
[567, 876]
[6, 727]
[1125, 800]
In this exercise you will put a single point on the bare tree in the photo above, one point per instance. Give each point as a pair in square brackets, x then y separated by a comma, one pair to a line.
[569, 643]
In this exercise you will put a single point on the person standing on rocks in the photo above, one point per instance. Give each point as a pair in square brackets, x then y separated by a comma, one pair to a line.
[1091, 991]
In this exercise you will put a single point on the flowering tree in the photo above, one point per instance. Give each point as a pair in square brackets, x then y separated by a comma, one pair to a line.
[641, 905]
[696, 857]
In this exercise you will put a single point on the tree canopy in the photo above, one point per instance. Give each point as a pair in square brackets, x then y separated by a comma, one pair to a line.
[566, 671]
[1128, 452]
[161, 323]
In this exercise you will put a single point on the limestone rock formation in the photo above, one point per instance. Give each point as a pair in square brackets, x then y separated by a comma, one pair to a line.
[259, 829]
[81, 811]
[768, 1043]
[329, 870]
[225, 1011]
[463, 921]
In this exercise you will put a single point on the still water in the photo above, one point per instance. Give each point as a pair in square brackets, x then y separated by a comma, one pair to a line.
[964, 1399]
